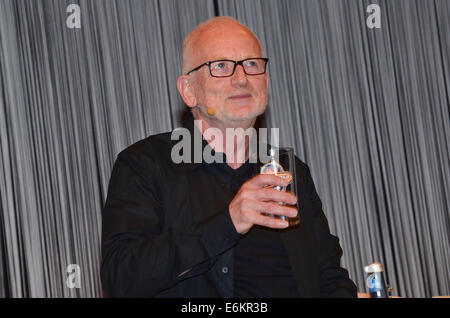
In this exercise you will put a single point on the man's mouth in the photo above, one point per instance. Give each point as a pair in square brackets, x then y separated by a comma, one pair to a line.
[240, 96]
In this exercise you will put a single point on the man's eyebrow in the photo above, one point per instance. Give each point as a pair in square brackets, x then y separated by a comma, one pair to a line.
[220, 58]
[231, 59]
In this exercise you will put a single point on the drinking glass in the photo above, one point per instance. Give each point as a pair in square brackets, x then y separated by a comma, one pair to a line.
[282, 163]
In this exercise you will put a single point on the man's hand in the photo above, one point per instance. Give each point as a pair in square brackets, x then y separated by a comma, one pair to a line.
[253, 199]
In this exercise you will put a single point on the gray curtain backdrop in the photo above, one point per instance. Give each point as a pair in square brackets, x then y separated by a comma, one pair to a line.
[366, 109]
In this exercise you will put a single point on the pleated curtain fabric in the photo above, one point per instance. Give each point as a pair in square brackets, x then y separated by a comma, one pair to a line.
[366, 108]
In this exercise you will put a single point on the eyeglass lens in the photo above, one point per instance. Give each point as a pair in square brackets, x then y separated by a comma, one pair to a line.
[226, 68]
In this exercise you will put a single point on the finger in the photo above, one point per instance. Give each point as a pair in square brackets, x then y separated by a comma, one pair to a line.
[275, 208]
[262, 180]
[269, 194]
[268, 221]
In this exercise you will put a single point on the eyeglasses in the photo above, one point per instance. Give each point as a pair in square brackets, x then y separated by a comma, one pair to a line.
[226, 68]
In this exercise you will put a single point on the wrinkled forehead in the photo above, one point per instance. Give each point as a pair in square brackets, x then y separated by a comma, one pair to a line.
[224, 41]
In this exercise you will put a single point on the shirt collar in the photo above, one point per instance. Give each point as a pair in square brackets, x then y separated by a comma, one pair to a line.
[189, 124]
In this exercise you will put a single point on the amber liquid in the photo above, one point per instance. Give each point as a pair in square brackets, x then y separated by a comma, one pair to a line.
[293, 221]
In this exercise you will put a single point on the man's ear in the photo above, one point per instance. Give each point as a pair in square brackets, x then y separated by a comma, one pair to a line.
[186, 90]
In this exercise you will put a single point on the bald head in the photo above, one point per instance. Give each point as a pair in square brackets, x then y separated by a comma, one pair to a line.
[197, 41]
[221, 102]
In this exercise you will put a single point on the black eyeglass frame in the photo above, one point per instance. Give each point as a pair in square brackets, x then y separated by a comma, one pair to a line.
[266, 60]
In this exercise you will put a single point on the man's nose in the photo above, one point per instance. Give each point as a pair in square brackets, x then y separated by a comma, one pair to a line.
[239, 77]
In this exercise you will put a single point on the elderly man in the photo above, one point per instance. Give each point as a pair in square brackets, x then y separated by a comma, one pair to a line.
[201, 229]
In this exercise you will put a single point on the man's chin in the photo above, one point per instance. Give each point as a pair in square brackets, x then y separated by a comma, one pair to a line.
[247, 121]
[243, 114]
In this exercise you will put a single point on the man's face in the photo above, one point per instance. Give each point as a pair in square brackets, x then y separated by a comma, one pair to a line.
[235, 99]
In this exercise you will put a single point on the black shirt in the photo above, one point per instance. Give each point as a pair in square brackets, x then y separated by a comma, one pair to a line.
[261, 264]
[167, 231]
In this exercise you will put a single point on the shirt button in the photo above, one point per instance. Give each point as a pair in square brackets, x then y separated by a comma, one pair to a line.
[224, 269]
